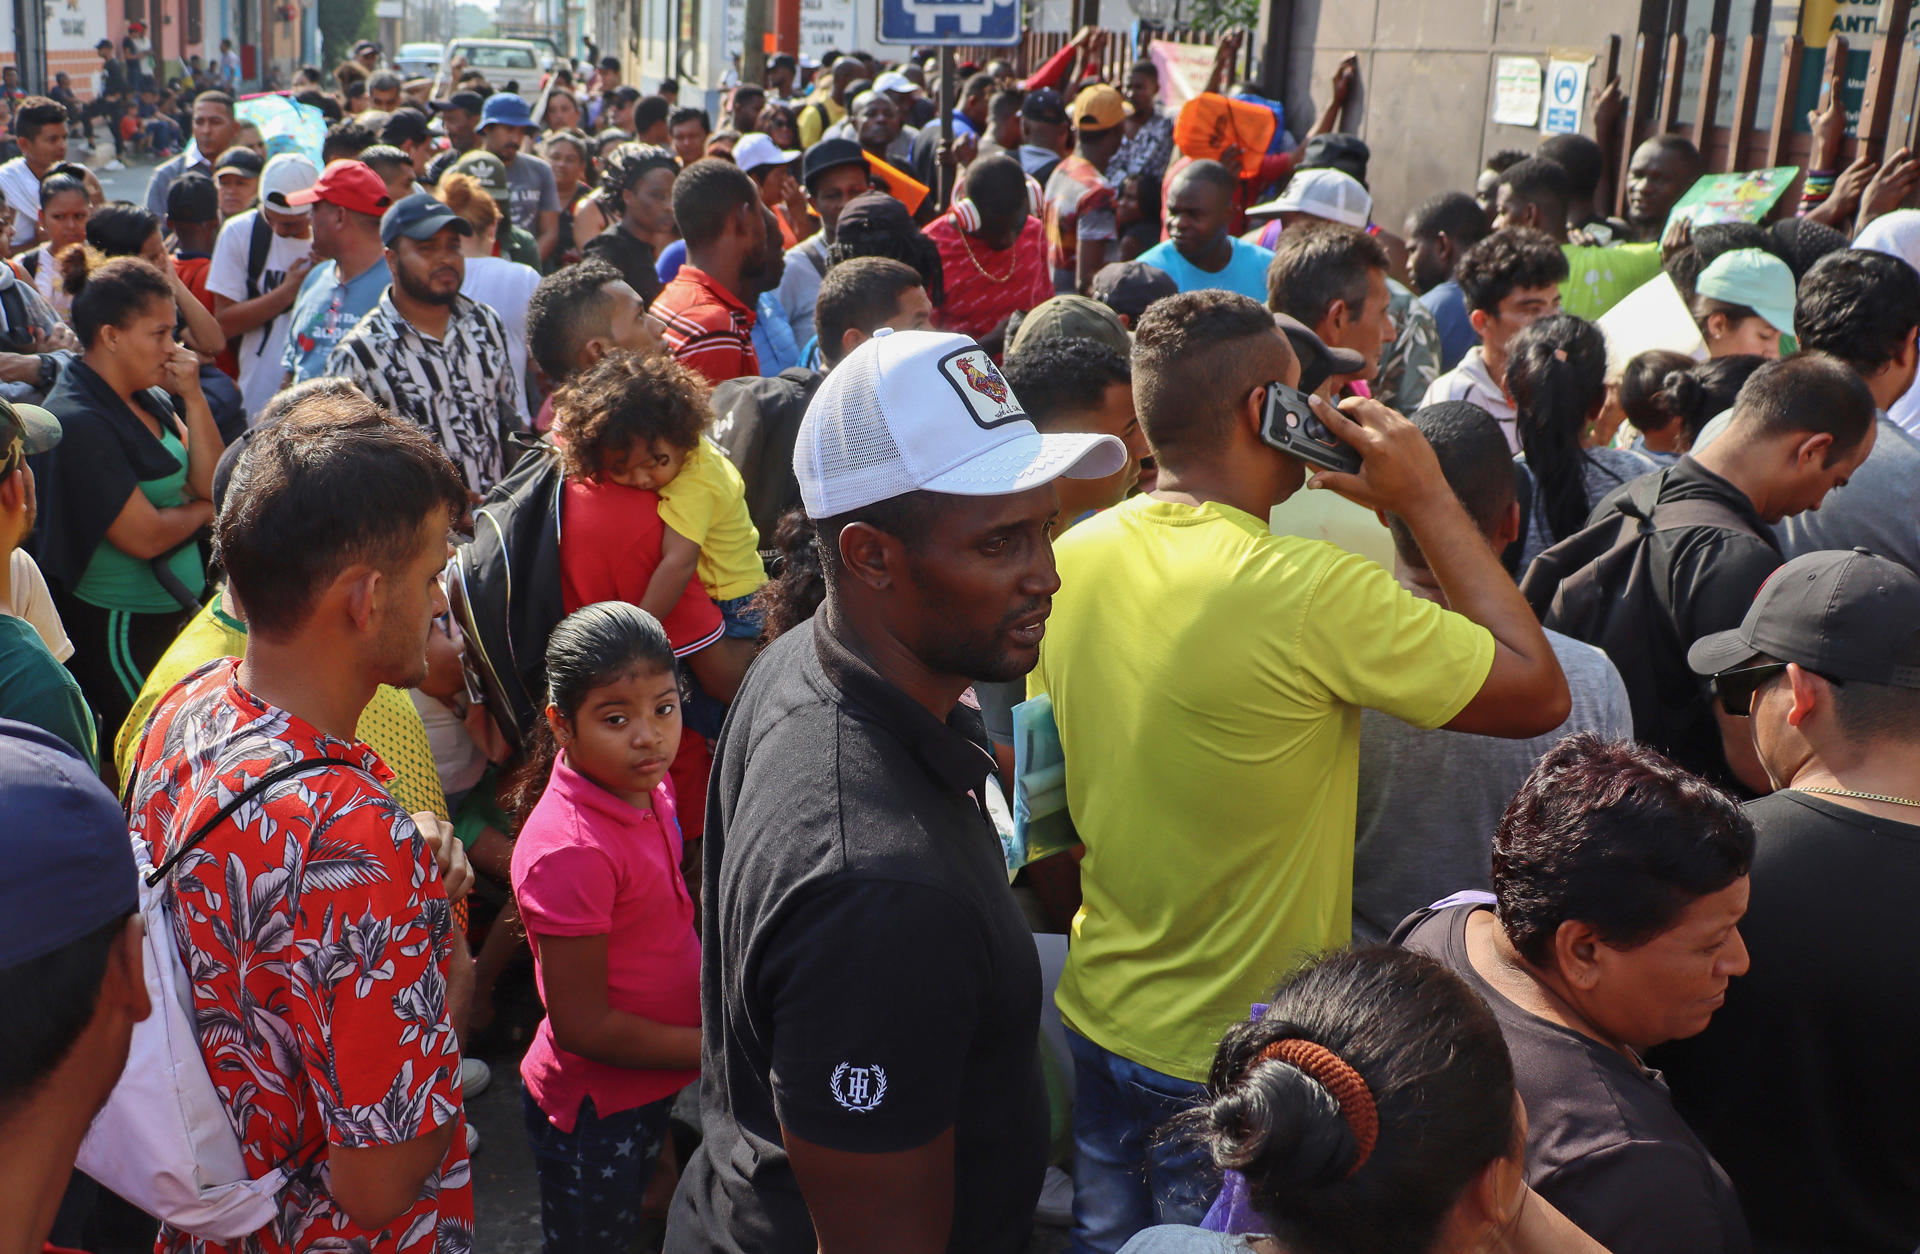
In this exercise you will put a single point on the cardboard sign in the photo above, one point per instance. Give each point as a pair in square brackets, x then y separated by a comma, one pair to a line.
[1743, 196]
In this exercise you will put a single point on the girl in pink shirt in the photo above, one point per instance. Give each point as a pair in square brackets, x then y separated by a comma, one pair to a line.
[596, 871]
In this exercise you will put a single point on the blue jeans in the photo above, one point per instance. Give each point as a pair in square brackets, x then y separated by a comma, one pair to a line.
[592, 1179]
[1125, 1176]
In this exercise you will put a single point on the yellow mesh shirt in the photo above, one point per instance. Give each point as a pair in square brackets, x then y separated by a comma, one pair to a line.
[389, 724]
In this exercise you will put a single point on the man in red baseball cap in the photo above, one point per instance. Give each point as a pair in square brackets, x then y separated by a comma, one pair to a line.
[347, 201]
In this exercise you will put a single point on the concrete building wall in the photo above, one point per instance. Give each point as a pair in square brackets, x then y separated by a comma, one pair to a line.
[1425, 101]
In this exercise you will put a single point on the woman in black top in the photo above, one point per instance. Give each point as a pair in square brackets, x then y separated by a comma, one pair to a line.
[636, 188]
[130, 486]
[1619, 884]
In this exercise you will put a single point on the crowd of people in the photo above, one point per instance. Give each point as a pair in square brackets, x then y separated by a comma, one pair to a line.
[564, 530]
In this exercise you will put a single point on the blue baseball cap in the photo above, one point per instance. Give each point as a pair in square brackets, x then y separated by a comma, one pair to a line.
[68, 855]
[506, 109]
[419, 217]
[1759, 280]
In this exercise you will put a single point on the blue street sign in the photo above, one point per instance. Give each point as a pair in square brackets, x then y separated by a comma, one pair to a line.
[936, 22]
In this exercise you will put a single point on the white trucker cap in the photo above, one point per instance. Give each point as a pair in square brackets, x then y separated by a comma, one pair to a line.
[1331, 194]
[913, 411]
[285, 174]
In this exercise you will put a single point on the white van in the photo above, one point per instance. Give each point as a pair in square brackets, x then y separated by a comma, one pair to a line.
[502, 61]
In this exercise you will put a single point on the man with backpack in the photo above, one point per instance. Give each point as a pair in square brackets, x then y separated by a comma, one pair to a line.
[327, 974]
[1680, 554]
[259, 262]
[833, 172]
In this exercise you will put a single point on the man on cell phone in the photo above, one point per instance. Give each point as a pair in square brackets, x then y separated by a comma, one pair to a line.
[1219, 843]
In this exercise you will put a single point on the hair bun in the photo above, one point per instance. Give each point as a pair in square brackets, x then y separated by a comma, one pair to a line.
[1683, 396]
[1281, 1124]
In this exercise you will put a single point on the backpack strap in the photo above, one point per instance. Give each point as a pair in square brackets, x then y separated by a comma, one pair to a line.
[258, 245]
[247, 794]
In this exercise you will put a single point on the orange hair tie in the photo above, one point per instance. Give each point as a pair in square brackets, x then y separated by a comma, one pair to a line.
[1337, 1076]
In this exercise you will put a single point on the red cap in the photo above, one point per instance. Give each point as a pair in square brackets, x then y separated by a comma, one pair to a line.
[350, 184]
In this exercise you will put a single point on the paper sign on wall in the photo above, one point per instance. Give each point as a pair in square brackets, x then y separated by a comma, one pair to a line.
[1516, 91]
[1566, 96]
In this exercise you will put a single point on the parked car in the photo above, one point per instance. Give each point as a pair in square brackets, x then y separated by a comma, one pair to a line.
[502, 61]
[417, 60]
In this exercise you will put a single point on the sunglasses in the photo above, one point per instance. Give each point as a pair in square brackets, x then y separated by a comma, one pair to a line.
[1736, 687]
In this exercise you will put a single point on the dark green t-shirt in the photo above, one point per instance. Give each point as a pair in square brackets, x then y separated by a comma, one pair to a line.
[38, 690]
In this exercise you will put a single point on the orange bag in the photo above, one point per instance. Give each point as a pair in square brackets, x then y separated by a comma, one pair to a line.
[1233, 132]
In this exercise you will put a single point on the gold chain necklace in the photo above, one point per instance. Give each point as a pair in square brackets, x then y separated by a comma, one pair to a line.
[986, 274]
[1861, 796]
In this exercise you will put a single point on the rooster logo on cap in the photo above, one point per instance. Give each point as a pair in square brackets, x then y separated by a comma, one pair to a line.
[988, 382]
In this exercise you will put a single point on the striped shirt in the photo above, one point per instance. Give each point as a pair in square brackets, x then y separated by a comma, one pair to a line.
[460, 389]
[708, 328]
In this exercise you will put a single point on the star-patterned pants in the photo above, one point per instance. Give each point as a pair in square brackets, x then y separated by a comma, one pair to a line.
[592, 1179]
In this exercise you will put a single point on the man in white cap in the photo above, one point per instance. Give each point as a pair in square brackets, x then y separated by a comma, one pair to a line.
[259, 262]
[870, 989]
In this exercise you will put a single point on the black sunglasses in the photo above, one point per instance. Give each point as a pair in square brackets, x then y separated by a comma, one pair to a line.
[1736, 687]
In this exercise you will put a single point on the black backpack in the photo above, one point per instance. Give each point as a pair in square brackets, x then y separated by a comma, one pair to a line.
[504, 589]
[1611, 586]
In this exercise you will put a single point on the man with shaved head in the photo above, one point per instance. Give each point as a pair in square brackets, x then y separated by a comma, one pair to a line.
[1201, 250]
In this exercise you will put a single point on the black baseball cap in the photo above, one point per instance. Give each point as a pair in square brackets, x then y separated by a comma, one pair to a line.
[193, 198]
[1319, 361]
[829, 154]
[1128, 287]
[471, 101]
[1845, 614]
[1044, 105]
[405, 126]
[1348, 154]
[418, 217]
[244, 160]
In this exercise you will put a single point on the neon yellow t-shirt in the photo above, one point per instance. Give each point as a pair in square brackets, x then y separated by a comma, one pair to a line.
[1207, 678]
[389, 725]
[707, 503]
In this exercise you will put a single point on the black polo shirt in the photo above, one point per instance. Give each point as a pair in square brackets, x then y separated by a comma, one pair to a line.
[867, 980]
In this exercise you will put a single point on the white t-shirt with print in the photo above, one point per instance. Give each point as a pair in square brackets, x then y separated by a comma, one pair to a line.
[262, 347]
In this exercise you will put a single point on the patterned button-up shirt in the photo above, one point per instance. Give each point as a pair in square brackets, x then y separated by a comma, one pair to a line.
[1146, 151]
[316, 937]
[461, 389]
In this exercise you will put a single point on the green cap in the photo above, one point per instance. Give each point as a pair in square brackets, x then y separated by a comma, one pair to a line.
[485, 169]
[1073, 317]
[1759, 280]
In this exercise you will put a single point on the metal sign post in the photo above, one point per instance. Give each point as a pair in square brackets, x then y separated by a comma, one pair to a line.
[945, 24]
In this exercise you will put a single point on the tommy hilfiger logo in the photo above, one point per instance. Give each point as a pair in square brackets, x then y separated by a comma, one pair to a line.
[859, 1089]
[985, 391]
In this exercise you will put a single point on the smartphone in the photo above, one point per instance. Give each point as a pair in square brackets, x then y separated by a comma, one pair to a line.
[1290, 425]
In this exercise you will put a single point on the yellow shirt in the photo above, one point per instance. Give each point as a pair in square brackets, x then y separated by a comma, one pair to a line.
[707, 503]
[1207, 679]
[389, 725]
[810, 123]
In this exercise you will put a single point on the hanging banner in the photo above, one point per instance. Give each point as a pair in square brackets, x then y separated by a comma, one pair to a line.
[1821, 20]
[1184, 69]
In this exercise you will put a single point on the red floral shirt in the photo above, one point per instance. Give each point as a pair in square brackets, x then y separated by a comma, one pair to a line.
[316, 934]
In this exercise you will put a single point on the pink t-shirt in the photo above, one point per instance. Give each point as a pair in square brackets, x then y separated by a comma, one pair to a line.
[589, 864]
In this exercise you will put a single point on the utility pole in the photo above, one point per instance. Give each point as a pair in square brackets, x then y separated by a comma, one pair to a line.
[753, 58]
